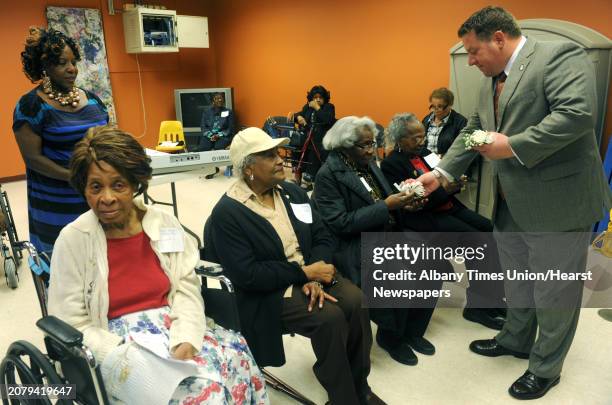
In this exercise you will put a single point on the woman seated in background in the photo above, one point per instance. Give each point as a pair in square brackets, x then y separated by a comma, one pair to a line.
[442, 124]
[277, 252]
[48, 121]
[123, 274]
[352, 197]
[317, 115]
[445, 214]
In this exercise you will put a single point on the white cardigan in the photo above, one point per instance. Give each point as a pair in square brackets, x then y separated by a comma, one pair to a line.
[78, 290]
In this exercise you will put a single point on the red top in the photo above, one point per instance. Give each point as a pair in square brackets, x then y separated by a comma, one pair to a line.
[136, 280]
[419, 164]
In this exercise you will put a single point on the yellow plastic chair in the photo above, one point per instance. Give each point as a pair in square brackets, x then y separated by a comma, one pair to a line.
[171, 131]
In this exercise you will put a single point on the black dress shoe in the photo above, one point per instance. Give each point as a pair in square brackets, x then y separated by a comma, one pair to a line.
[399, 351]
[530, 386]
[490, 348]
[484, 318]
[421, 345]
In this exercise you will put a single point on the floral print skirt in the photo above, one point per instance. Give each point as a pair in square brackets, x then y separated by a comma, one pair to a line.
[141, 371]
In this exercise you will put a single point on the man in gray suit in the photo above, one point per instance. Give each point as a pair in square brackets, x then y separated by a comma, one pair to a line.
[536, 102]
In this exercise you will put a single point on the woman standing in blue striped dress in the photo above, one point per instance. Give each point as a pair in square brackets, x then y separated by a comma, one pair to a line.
[48, 121]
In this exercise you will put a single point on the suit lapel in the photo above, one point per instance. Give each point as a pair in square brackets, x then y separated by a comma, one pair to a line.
[519, 67]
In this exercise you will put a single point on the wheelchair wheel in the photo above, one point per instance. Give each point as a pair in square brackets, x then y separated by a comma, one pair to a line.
[10, 272]
[25, 364]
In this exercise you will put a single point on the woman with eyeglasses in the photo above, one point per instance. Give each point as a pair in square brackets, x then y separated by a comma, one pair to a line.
[353, 196]
[442, 124]
[445, 214]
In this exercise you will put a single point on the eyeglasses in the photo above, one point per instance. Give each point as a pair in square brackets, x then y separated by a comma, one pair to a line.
[438, 107]
[367, 145]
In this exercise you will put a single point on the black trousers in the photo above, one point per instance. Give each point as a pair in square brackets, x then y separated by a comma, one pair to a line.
[478, 231]
[340, 336]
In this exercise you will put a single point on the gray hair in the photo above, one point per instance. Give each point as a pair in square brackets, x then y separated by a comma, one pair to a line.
[401, 126]
[346, 131]
[248, 160]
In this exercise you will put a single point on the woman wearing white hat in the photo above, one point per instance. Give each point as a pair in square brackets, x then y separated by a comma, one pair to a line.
[276, 250]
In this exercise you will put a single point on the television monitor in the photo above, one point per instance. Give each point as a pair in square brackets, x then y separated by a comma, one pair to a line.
[190, 103]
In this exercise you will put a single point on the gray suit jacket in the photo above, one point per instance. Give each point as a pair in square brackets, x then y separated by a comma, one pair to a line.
[546, 109]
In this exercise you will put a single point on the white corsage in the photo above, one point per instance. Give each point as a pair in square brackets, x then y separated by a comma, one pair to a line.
[477, 138]
[414, 187]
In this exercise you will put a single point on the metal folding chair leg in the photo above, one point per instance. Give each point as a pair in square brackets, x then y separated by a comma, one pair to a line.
[280, 385]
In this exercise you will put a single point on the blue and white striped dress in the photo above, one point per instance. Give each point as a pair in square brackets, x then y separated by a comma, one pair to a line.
[54, 203]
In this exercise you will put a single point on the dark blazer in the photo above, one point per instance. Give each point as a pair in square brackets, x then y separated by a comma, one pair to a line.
[449, 132]
[348, 209]
[252, 256]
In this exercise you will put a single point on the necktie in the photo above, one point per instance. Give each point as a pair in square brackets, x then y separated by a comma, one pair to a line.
[499, 86]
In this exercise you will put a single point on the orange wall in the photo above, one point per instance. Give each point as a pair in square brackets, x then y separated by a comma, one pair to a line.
[377, 57]
[161, 74]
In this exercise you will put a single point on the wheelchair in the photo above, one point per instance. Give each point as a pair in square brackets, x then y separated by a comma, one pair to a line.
[69, 362]
[11, 254]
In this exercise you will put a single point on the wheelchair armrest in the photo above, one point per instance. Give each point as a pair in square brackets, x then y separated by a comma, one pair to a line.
[208, 269]
[60, 331]
[213, 271]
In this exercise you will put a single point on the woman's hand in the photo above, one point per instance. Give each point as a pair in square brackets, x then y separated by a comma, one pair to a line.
[184, 351]
[415, 204]
[320, 271]
[315, 105]
[456, 186]
[301, 121]
[397, 201]
[314, 290]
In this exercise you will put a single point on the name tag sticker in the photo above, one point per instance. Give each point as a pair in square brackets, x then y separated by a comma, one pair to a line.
[224, 113]
[365, 184]
[170, 240]
[303, 212]
[432, 160]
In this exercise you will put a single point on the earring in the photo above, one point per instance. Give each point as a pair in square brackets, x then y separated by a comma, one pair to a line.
[46, 83]
[251, 177]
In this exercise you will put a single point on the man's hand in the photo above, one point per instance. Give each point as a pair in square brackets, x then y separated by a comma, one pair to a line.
[316, 293]
[430, 182]
[498, 149]
[184, 351]
[214, 138]
[320, 271]
[301, 121]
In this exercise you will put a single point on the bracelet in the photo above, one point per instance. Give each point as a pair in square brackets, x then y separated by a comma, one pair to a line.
[437, 174]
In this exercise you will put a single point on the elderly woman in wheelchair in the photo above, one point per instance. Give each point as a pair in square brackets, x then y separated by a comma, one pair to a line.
[275, 249]
[123, 275]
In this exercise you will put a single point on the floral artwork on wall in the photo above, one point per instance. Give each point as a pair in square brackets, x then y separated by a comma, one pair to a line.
[84, 25]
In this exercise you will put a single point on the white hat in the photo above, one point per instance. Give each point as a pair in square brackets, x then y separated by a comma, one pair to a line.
[252, 140]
